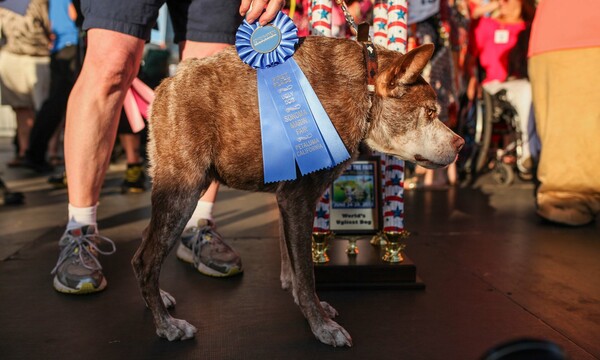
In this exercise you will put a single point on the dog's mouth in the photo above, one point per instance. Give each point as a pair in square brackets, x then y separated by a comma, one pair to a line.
[423, 161]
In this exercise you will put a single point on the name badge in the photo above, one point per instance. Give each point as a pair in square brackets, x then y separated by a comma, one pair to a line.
[501, 36]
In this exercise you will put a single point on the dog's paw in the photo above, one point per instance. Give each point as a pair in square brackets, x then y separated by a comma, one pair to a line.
[331, 333]
[167, 299]
[329, 310]
[286, 283]
[176, 329]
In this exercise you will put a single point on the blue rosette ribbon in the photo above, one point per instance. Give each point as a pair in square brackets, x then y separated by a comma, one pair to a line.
[295, 128]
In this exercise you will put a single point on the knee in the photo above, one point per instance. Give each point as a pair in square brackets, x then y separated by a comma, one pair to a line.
[111, 74]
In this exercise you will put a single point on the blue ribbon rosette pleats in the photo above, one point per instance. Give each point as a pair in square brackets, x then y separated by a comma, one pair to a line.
[295, 128]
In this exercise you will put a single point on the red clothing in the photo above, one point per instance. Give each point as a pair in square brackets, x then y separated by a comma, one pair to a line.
[492, 43]
[560, 25]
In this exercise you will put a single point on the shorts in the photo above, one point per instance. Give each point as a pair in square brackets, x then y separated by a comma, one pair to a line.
[214, 21]
[24, 80]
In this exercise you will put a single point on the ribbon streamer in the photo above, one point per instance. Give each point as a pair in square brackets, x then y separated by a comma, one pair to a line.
[295, 128]
[137, 101]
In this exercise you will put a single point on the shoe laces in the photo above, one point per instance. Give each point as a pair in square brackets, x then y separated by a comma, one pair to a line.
[201, 236]
[86, 248]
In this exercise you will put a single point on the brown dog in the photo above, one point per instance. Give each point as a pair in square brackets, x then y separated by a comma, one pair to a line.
[205, 126]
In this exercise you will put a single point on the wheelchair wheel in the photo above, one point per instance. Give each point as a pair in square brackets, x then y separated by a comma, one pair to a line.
[483, 132]
[503, 174]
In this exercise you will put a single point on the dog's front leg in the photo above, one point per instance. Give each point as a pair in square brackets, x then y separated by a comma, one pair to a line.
[297, 218]
[170, 212]
[287, 273]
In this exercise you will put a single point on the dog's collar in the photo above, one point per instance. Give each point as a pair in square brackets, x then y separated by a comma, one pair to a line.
[371, 61]
[362, 36]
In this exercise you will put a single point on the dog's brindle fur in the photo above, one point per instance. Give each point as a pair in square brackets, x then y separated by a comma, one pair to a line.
[204, 126]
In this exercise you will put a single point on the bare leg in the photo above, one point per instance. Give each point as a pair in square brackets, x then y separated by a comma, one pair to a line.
[25, 118]
[95, 103]
[131, 145]
[54, 144]
[452, 174]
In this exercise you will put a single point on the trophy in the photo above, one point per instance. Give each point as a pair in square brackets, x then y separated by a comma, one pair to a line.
[352, 249]
[378, 239]
[320, 241]
[393, 246]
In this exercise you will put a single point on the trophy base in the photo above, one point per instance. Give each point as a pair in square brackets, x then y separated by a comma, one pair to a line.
[364, 270]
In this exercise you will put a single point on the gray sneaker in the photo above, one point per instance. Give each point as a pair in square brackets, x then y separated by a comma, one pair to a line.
[78, 270]
[204, 248]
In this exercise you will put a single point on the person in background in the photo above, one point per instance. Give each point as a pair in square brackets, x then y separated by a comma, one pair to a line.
[564, 59]
[360, 11]
[430, 23]
[494, 44]
[25, 67]
[64, 65]
[117, 32]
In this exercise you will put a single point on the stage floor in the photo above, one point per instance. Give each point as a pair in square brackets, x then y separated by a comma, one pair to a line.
[493, 272]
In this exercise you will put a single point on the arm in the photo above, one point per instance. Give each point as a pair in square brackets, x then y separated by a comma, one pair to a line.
[478, 11]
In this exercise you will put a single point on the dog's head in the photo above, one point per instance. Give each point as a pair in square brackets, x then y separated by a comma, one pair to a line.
[405, 114]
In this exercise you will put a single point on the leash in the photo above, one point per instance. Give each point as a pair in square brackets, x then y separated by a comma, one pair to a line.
[361, 31]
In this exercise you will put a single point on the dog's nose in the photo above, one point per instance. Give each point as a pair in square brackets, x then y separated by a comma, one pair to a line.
[458, 143]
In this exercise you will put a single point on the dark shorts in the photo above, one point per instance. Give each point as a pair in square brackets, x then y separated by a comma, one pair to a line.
[196, 20]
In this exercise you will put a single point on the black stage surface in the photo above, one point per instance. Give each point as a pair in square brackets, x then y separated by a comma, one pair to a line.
[493, 272]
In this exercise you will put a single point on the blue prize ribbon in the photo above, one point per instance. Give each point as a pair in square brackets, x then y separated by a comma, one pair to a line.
[295, 129]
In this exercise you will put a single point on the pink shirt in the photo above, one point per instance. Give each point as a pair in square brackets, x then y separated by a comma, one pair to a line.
[560, 25]
[493, 42]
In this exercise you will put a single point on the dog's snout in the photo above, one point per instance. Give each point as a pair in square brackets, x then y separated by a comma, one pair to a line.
[458, 143]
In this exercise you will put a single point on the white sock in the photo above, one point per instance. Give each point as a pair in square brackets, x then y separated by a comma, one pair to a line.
[81, 216]
[203, 211]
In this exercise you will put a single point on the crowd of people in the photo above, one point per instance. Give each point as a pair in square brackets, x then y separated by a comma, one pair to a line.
[64, 59]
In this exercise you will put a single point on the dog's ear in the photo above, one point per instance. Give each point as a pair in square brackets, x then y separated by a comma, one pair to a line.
[405, 70]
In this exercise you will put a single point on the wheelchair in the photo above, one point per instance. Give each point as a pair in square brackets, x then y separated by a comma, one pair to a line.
[493, 140]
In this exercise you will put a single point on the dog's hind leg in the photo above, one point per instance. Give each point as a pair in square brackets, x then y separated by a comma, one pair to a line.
[172, 206]
[297, 212]
[287, 273]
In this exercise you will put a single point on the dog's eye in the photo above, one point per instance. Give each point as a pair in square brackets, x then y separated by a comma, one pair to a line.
[430, 113]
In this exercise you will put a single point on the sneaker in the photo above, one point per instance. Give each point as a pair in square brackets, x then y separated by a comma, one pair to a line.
[135, 180]
[204, 248]
[78, 270]
[58, 180]
[8, 197]
[40, 167]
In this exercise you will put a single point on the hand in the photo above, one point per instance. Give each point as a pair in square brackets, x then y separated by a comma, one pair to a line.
[257, 9]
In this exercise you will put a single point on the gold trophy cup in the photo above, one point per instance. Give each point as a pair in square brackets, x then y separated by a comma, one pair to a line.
[352, 249]
[393, 246]
[320, 242]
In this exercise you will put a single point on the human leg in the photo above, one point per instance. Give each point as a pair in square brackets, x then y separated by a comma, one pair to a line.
[50, 116]
[567, 109]
[207, 31]
[25, 119]
[93, 109]
[24, 82]
[92, 112]
[135, 179]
